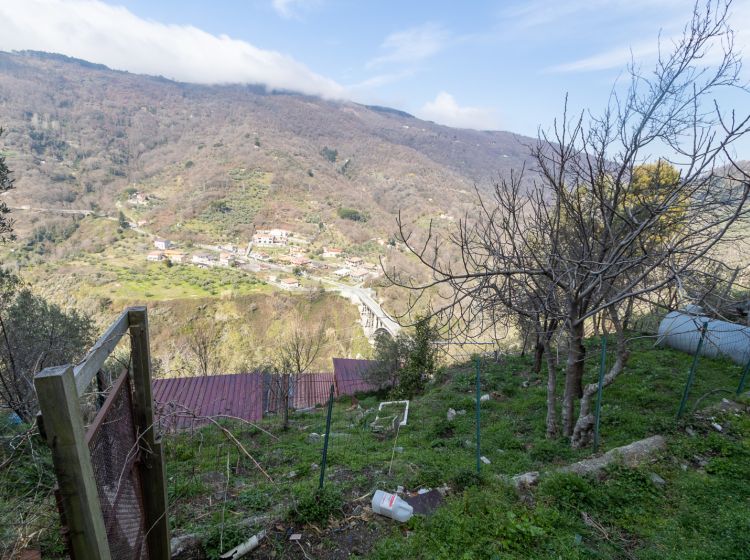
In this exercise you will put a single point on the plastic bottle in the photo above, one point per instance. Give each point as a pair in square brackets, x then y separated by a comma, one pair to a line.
[391, 506]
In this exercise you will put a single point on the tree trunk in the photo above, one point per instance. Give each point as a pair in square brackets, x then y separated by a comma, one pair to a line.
[538, 355]
[552, 427]
[573, 377]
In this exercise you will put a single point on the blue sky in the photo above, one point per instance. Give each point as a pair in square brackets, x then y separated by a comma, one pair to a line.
[483, 64]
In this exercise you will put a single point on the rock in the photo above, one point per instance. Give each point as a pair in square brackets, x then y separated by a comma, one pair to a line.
[657, 480]
[451, 415]
[314, 467]
[631, 455]
[314, 438]
[484, 398]
[187, 547]
[717, 427]
[525, 481]
[484, 460]
[690, 431]
[292, 474]
[398, 449]
[469, 444]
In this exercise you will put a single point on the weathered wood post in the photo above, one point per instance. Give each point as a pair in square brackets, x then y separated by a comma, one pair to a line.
[151, 467]
[64, 431]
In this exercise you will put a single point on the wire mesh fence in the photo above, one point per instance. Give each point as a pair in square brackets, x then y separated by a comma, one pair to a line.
[114, 454]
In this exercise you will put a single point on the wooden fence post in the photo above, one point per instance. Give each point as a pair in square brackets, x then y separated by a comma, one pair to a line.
[151, 467]
[63, 425]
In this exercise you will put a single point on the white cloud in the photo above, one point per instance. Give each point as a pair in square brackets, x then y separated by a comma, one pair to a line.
[412, 45]
[290, 8]
[111, 35]
[444, 110]
[613, 58]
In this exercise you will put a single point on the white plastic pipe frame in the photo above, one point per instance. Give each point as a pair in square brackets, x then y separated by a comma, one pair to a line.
[406, 410]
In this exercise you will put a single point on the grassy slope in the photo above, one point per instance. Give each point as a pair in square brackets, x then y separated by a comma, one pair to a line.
[701, 511]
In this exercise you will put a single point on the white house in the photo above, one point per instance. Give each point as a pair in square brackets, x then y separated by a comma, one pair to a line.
[332, 253]
[271, 238]
[342, 272]
[226, 259]
[290, 282]
[355, 261]
[204, 259]
[155, 256]
[162, 244]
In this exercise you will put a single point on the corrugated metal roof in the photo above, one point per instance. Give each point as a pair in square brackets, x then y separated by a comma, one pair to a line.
[350, 375]
[179, 400]
[312, 389]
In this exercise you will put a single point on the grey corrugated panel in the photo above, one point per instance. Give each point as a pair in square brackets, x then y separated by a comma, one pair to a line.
[682, 331]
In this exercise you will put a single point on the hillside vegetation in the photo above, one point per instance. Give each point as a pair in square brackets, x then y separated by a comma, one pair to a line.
[690, 501]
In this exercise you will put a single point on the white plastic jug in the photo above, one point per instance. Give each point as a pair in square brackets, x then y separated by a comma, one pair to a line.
[391, 506]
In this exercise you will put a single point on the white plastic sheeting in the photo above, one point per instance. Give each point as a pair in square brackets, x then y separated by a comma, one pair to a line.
[682, 331]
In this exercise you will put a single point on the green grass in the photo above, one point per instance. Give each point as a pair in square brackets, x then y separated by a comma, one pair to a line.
[629, 516]
[699, 511]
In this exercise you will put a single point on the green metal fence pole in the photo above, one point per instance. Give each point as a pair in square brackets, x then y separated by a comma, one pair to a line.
[325, 441]
[691, 375]
[597, 414]
[479, 419]
[741, 386]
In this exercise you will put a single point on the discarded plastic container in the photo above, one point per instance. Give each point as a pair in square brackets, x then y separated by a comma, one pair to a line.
[391, 506]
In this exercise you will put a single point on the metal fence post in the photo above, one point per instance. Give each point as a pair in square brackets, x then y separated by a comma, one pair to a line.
[479, 419]
[741, 386]
[63, 426]
[598, 411]
[152, 471]
[325, 441]
[691, 375]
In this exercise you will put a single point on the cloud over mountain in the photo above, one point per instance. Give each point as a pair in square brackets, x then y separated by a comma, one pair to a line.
[114, 36]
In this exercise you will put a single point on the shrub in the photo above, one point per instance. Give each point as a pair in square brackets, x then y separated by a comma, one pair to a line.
[316, 506]
[352, 214]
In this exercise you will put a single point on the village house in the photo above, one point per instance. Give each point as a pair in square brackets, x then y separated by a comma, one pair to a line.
[162, 244]
[139, 199]
[300, 261]
[226, 259]
[204, 260]
[229, 248]
[359, 274]
[259, 256]
[355, 262]
[290, 282]
[176, 257]
[342, 272]
[271, 238]
[155, 256]
[332, 253]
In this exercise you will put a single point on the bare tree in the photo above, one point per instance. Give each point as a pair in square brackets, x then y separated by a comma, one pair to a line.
[203, 344]
[596, 227]
[296, 353]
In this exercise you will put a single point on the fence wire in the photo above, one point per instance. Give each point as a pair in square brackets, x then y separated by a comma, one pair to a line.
[114, 457]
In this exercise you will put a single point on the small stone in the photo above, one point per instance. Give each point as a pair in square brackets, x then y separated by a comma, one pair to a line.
[717, 427]
[398, 449]
[468, 443]
[684, 467]
[460, 412]
[292, 474]
[485, 460]
[484, 398]
[296, 537]
[451, 415]
[314, 438]
[657, 480]
[690, 431]
[399, 490]
[525, 480]
[314, 467]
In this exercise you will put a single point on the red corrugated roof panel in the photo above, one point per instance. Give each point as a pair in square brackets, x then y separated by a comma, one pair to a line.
[182, 402]
[350, 376]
